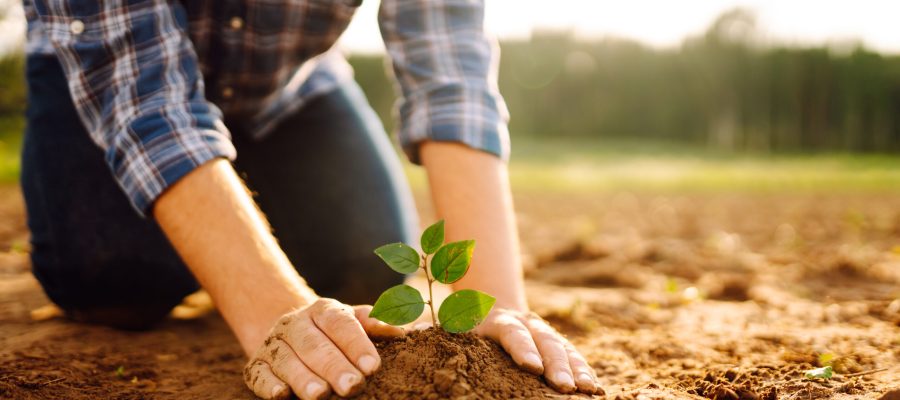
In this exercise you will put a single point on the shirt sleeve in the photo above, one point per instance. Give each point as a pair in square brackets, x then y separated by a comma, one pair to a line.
[446, 68]
[135, 82]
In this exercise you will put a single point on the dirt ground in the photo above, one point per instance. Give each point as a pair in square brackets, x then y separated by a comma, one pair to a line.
[669, 296]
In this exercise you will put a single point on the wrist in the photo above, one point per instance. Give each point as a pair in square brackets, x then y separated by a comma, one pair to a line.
[512, 305]
[509, 297]
[265, 312]
[213, 223]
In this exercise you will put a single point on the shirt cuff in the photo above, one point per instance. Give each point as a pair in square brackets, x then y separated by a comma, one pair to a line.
[475, 117]
[145, 168]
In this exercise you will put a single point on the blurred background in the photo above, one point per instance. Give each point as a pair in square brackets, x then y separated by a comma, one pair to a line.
[700, 185]
[751, 93]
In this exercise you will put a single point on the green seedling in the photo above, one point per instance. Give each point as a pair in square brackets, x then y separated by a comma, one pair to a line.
[671, 286]
[460, 312]
[819, 373]
[827, 359]
[19, 247]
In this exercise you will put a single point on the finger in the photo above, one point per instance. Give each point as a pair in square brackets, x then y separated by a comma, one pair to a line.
[374, 327]
[286, 365]
[553, 352]
[585, 378]
[339, 323]
[516, 339]
[321, 355]
[259, 378]
[421, 326]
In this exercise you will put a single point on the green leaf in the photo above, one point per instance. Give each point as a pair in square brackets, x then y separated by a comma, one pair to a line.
[464, 310]
[671, 286]
[399, 257]
[398, 305]
[826, 359]
[819, 373]
[452, 261]
[433, 237]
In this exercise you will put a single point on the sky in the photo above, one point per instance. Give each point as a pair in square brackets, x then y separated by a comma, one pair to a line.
[659, 23]
[663, 23]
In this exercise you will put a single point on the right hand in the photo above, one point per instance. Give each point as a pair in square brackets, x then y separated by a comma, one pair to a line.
[316, 349]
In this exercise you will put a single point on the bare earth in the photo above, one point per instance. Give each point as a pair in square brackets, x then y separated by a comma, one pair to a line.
[670, 296]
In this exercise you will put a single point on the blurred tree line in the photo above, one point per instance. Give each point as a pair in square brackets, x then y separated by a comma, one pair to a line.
[12, 77]
[12, 85]
[724, 89]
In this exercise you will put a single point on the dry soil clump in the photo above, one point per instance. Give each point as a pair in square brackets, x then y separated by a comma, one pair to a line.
[433, 364]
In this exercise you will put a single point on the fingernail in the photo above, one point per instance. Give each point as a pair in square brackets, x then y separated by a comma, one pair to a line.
[584, 377]
[277, 390]
[586, 380]
[368, 364]
[533, 360]
[564, 379]
[347, 381]
[314, 390]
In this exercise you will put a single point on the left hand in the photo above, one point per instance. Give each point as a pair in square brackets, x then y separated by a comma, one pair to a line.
[538, 348]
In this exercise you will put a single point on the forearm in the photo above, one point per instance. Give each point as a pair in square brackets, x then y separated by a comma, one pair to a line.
[217, 230]
[470, 190]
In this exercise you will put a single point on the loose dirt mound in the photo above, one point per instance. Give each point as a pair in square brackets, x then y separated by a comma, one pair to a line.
[433, 364]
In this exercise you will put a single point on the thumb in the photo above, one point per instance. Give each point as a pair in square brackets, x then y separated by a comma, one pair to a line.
[374, 327]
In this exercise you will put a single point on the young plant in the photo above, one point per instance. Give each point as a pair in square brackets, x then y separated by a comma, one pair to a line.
[460, 312]
[819, 373]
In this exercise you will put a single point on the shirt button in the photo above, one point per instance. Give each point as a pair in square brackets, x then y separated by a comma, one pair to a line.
[236, 23]
[227, 92]
[77, 27]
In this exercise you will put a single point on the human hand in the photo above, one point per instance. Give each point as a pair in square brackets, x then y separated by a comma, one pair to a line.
[537, 348]
[311, 351]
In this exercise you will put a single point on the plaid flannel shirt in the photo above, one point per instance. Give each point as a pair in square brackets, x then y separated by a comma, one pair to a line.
[153, 79]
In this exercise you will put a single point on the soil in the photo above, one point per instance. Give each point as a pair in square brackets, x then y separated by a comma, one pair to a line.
[433, 365]
[668, 295]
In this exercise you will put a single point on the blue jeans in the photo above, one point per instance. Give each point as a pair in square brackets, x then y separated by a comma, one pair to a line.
[327, 178]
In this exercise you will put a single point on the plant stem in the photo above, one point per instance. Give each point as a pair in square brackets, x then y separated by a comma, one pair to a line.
[430, 295]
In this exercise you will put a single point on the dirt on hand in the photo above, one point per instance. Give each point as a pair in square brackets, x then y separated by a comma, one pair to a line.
[433, 364]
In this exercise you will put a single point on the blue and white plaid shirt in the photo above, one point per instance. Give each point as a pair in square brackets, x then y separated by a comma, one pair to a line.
[152, 79]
